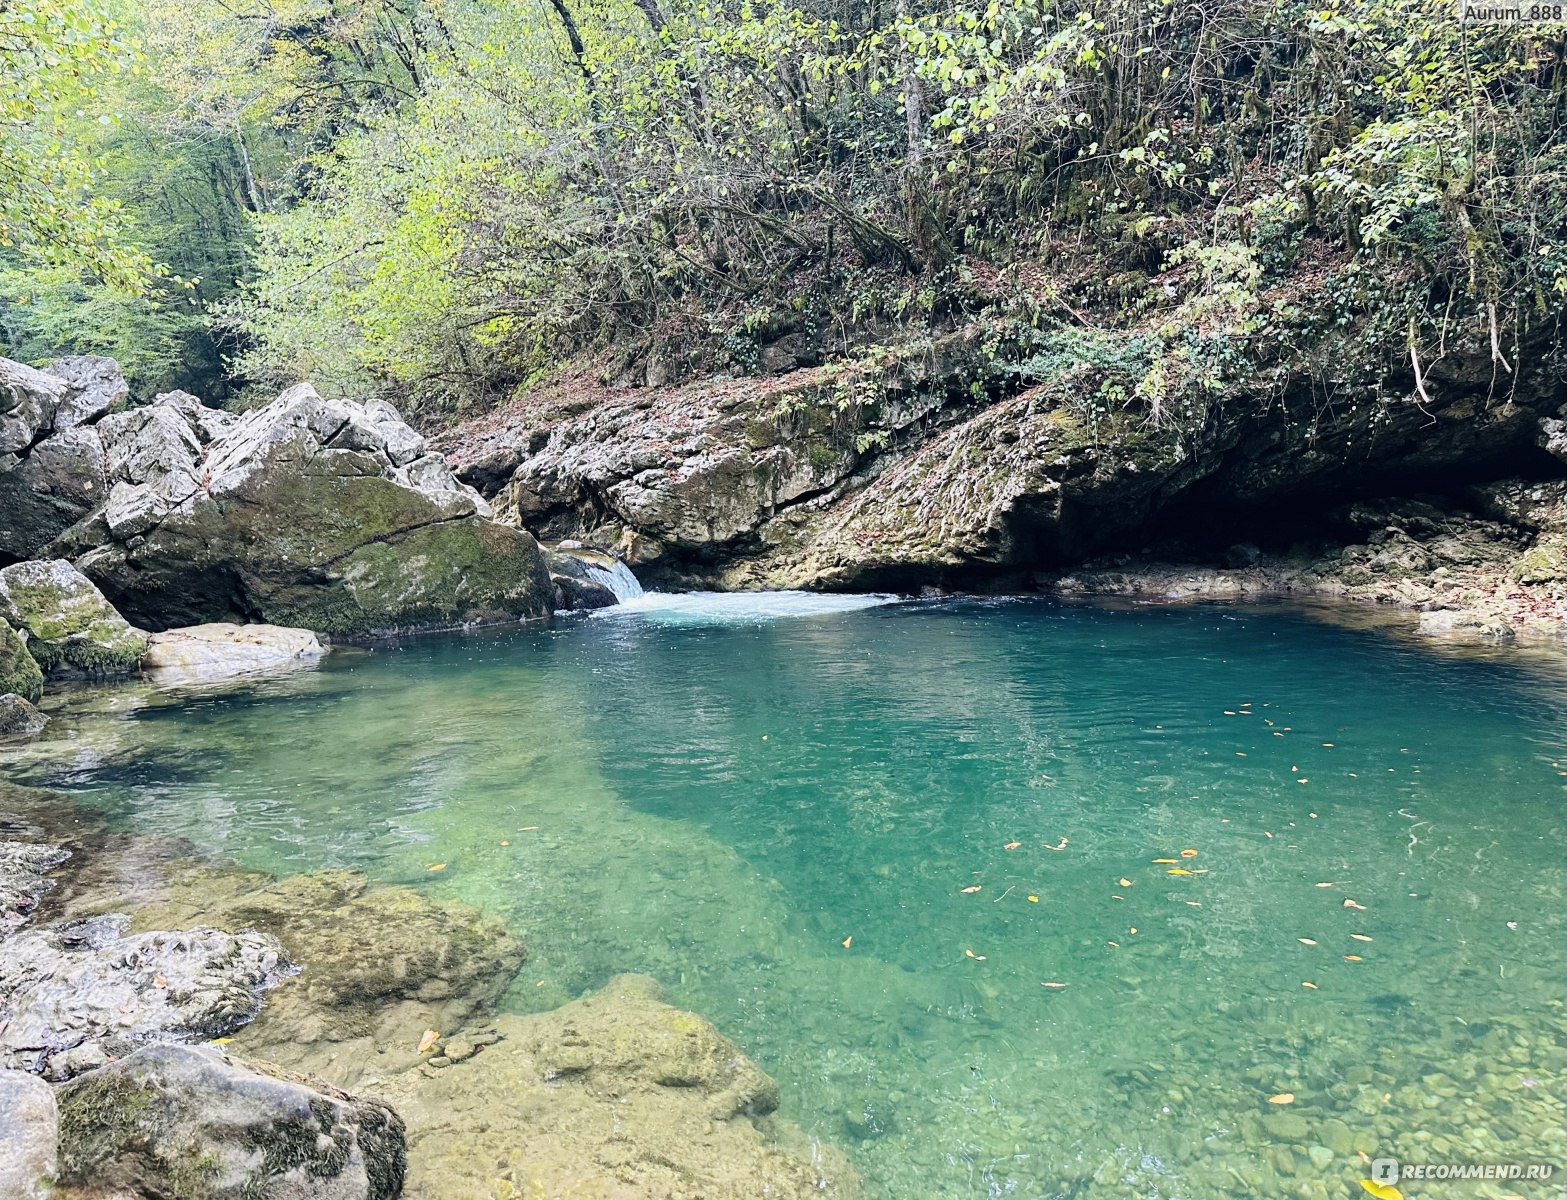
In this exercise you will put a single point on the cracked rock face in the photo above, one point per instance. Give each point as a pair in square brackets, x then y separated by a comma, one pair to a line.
[329, 515]
[75, 995]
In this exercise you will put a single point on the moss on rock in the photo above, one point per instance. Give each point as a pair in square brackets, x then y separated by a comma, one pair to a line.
[19, 673]
[70, 627]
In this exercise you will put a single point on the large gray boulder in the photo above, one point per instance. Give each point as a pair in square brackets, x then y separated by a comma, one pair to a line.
[51, 461]
[29, 1128]
[324, 514]
[75, 995]
[172, 1121]
[70, 628]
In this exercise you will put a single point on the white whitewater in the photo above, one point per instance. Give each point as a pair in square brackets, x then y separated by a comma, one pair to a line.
[617, 577]
[739, 608]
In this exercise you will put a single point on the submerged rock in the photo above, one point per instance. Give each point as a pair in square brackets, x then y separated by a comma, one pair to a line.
[220, 649]
[173, 1121]
[616, 1094]
[76, 994]
[19, 671]
[70, 627]
[29, 1129]
[24, 877]
[18, 717]
[378, 963]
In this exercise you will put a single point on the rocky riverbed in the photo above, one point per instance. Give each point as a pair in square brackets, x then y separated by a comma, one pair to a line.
[201, 1022]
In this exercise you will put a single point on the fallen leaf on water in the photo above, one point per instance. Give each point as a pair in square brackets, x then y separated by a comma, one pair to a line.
[1167, 860]
[1282, 1098]
[1303, 781]
[428, 1040]
[848, 941]
[436, 867]
[1012, 845]
[1133, 929]
[1361, 937]
[975, 957]
[1033, 899]
[1124, 882]
[1053, 985]
[504, 842]
[1061, 845]
[1188, 854]
[1324, 885]
[1240, 754]
[1353, 958]
[1195, 903]
[1327, 745]
[1512, 924]
[971, 889]
[1115, 897]
[527, 829]
[1306, 983]
[1229, 712]
[1177, 871]
[1266, 834]
[1117, 945]
[1351, 904]
[1307, 941]
[1382, 1191]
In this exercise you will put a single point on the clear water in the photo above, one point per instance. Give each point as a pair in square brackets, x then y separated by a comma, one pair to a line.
[724, 792]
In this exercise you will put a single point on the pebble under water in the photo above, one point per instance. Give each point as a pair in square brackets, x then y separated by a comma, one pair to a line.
[1013, 898]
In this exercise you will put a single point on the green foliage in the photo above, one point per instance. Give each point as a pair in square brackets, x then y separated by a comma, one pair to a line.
[54, 55]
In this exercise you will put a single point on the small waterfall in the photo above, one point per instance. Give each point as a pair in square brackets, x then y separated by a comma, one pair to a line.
[617, 578]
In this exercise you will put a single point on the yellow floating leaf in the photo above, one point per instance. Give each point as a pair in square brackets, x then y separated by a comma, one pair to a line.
[975, 957]
[1167, 860]
[1303, 781]
[1382, 1191]
[1188, 854]
[848, 941]
[1353, 958]
[1195, 903]
[1307, 941]
[436, 867]
[1324, 885]
[504, 842]
[1124, 882]
[1361, 937]
[1351, 904]
[1177, 871]
[1033, 899]
[1282, 1098]
[971, 889]
[1133, 929]
[1012, 845]
[1308, 984]
[1266, 834]
[428, 1040]
[527, 829]
[1053, 985]
[1117, 945]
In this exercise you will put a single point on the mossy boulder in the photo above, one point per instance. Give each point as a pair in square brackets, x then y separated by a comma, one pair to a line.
[19, 672]
[323, 514]
[1544, 562]
[69, 626]
[178, 1123]
[18, 717]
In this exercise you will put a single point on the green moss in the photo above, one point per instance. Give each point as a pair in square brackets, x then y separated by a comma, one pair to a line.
[19, 672]
[1541, 563]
